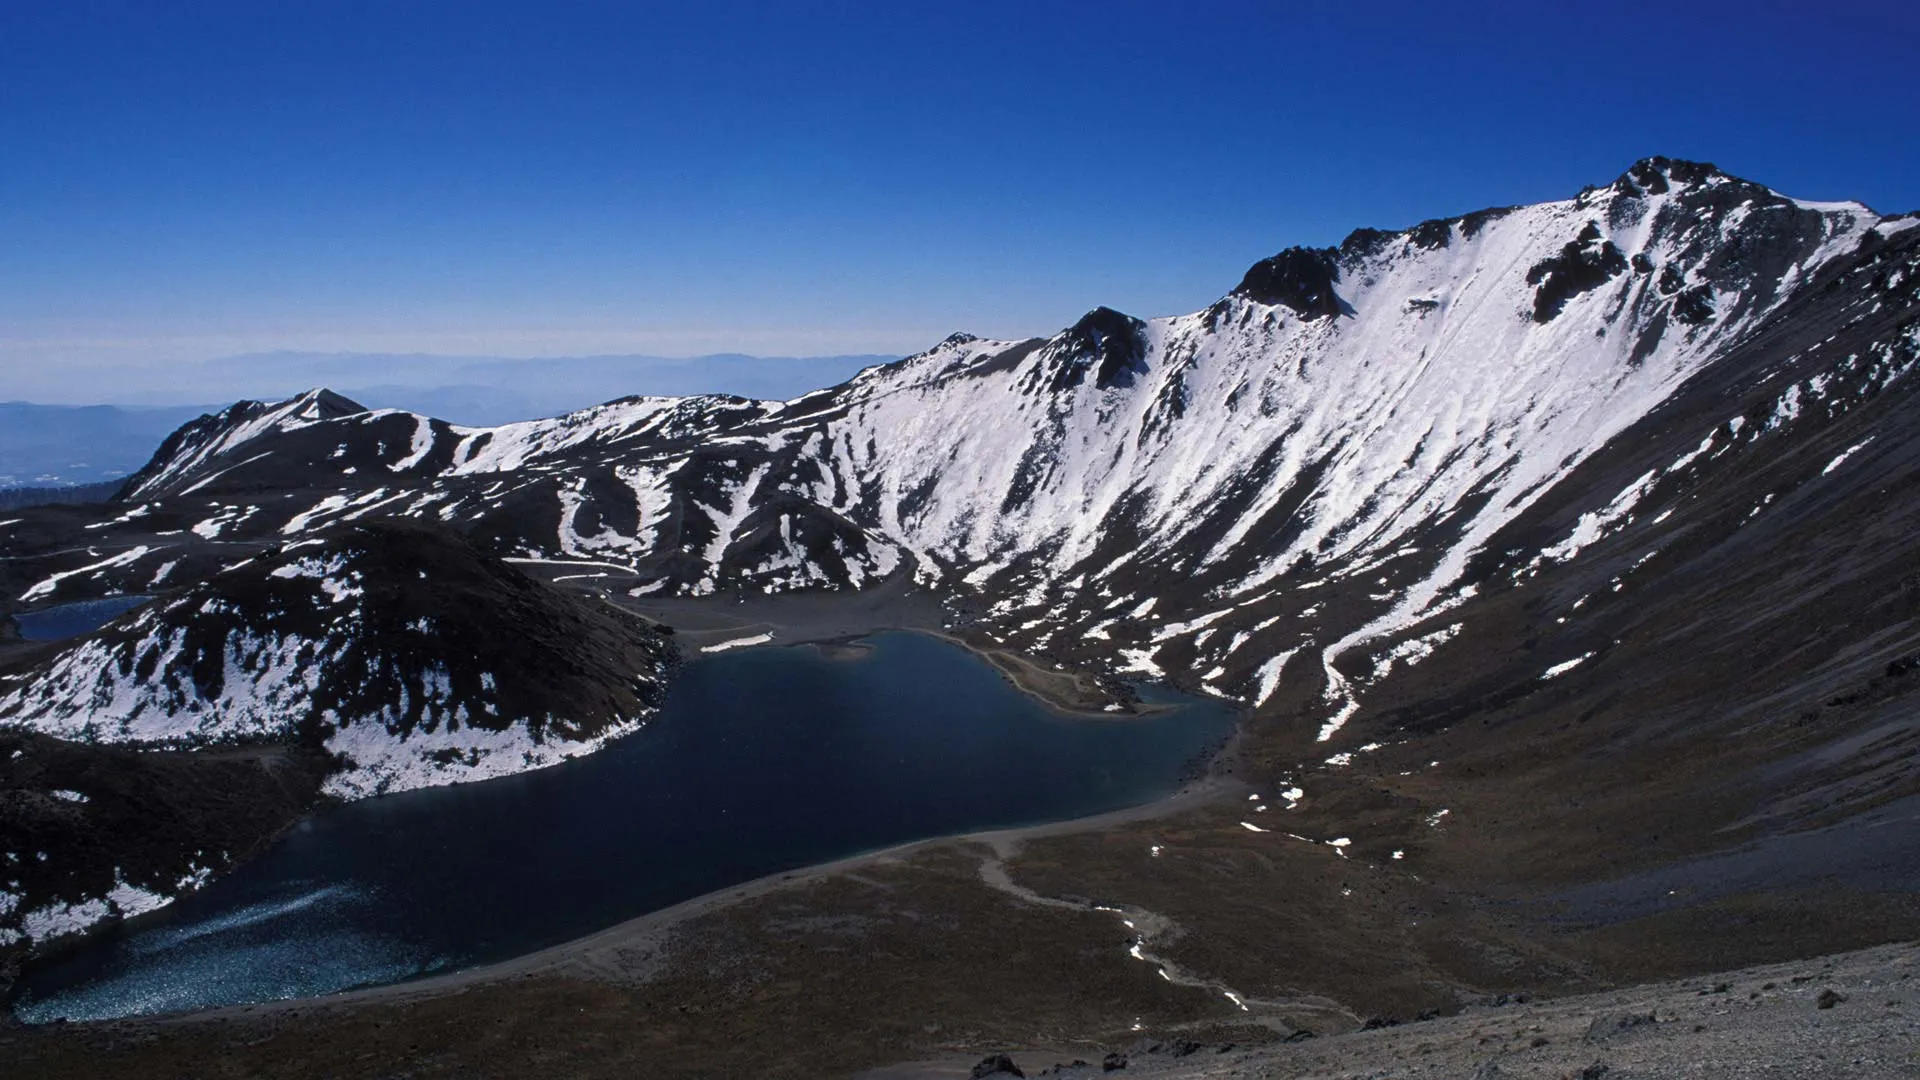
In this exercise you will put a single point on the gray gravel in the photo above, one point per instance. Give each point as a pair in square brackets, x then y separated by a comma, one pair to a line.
[1855, 1015]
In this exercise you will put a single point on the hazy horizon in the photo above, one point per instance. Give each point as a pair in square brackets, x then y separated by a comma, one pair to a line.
[546, 385]
[118, 416]
[499, 179]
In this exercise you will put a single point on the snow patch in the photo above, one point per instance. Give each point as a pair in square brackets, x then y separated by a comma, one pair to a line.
[737, 643]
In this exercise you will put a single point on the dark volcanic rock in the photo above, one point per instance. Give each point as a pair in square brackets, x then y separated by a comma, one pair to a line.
[1586, 263]
[122, 829]
[207, 436]
[1710, 431]
[1104, 343]
[996, 1065]
[1298, 278]
[1608, 1027]
[1650, 176]
[378, 656]
[1693, 306]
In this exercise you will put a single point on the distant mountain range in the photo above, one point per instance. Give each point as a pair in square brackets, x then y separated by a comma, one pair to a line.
[63, 445]
[485, 391]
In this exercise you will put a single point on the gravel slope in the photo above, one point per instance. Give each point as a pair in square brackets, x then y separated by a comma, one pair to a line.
[1854, 1015]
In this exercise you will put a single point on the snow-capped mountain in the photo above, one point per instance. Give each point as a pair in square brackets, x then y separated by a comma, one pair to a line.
[1534, 467]
[410, 657]
[1177, 488]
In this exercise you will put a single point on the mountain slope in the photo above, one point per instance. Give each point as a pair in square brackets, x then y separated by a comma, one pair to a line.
[1552, 548]
[367, 659]
[1384, 408]
[394, 646]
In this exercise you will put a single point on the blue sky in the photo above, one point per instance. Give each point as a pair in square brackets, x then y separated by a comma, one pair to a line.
[182, 181]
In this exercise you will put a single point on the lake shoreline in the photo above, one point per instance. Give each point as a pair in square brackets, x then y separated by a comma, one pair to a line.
[1197, 784]
[583, 957]
[836, 622]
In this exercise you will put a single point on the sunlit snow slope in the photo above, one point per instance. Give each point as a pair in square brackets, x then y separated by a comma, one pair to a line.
[1378, 411]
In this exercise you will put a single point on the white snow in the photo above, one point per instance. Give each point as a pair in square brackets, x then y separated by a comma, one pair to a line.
[1269, 676]
[336, 581]
[422, 445]
[60, 919]
[737, 643]
[382, 763]
[513, 446]
[1413, 650]
[46, 588]
[134, 514]
[1841, 457]
[130, 900]
[1562, 668]
[299, 522]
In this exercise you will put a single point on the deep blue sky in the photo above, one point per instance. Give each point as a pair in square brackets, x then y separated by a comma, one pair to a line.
[184, 180]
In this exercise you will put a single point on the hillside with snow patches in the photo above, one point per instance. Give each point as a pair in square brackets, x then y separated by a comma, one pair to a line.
[1477, 438]
[1382, 409]
[394, 652]
[409, 657]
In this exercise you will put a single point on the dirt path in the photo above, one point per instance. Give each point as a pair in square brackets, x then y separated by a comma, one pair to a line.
[1147, 929]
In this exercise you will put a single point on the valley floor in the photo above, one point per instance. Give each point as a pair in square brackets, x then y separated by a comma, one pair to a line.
[1157, 925]
[934, 954]
[1198, 920]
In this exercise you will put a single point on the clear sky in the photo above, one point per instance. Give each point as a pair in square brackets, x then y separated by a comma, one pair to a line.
[193, 179]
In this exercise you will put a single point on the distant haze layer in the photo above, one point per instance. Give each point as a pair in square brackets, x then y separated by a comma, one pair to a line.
[70, 436]
[463, 389]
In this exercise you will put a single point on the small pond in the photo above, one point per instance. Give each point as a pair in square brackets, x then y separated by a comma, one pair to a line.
[72, 620]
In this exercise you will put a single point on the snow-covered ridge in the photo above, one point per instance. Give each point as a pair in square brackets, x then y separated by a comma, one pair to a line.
[427, 679]
[1369, 415]
[215, 437]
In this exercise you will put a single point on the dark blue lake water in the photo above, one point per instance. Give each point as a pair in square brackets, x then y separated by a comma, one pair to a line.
[760, 761]
[72, 620]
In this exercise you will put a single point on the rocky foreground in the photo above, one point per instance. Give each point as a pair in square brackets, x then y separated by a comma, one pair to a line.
[1852, 1015]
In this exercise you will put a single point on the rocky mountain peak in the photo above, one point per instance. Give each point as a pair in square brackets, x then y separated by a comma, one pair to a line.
[1108, 344]
[1658, 175]
[1299, 278]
